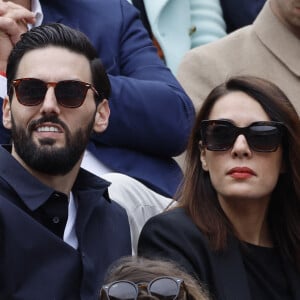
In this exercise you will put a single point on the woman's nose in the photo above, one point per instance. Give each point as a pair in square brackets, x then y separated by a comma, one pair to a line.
[241, 147]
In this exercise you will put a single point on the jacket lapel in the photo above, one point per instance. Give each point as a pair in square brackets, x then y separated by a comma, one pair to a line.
[154, 8]
[285, 46]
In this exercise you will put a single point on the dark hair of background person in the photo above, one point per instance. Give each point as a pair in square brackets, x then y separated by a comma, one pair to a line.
[61, 36]
[198, 197]
[140, 269]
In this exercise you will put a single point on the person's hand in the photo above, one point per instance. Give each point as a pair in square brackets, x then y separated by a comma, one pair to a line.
[13, 22]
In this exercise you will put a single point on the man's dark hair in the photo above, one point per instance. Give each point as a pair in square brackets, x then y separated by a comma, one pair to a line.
[62, 36]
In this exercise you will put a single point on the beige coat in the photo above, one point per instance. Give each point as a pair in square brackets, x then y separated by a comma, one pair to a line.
[266, 49]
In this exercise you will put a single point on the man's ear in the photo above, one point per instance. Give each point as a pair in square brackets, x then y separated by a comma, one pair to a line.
[102, 116]
[203, 157]
[6, 116]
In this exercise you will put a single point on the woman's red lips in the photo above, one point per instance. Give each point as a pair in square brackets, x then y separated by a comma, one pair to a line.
[241, 172]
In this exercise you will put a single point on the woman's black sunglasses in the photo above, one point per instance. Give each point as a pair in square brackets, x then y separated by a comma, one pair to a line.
[164, 288]
[68, 93]
[220, 135]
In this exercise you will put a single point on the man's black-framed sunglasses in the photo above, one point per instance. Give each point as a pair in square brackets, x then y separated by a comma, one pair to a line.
[68, 93]
[164, 288]
[220, 135]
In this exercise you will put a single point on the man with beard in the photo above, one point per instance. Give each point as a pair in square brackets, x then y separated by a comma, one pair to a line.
[59, 230]
[151, 115]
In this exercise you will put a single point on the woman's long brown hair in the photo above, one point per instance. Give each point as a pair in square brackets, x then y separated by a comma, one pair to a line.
[198, 197]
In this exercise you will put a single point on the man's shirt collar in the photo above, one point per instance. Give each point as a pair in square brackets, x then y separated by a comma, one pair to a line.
[33, 192]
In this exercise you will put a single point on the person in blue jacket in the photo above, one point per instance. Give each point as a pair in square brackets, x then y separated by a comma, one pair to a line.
[151, 115]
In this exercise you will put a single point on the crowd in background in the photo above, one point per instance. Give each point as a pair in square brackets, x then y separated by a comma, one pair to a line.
[150, 149]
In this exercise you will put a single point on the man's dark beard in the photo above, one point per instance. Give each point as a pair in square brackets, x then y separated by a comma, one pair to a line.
[45, 157]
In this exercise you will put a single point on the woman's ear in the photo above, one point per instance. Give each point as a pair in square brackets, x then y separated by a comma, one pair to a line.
[6, 113]
[203, 157]
[102, 116]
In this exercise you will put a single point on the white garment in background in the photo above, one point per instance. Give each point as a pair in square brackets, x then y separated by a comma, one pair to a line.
[140, 202]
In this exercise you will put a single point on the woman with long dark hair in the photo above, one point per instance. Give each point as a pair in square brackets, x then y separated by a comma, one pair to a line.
[236, 226]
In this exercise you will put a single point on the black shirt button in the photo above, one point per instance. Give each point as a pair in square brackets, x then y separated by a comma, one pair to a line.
[55, 220]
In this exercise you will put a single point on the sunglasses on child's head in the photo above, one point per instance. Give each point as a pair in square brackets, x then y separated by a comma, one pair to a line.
[68, 93]
[220, 135]
[163, 288]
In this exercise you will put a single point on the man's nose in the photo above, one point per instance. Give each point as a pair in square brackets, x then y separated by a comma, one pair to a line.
[50, 104]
